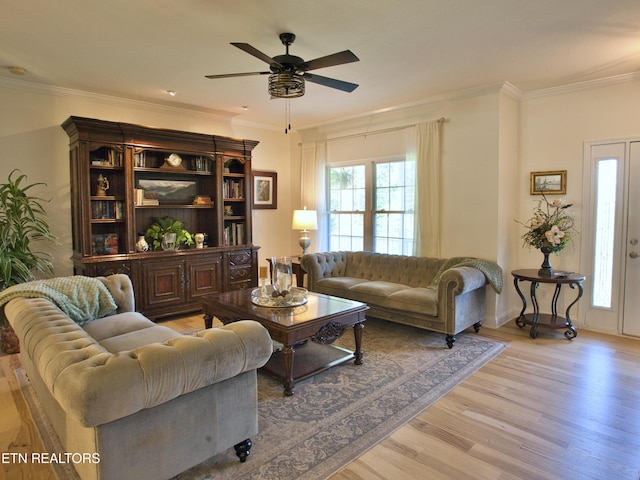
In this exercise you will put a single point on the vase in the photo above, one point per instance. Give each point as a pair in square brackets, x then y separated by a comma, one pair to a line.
[141, 244]
[169, 241]
[282, 274]
[546, 269]
[199, 240]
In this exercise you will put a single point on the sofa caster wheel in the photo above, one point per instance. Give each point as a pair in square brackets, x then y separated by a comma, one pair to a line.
[451, 339]
[243, 450]
[476, 327]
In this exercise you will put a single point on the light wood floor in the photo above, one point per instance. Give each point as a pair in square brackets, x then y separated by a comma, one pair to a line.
[544, 409]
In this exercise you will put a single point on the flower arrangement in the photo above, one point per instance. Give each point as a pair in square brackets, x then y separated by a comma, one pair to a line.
[551, 226]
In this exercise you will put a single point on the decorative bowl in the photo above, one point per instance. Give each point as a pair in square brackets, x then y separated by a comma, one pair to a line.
[264, 297]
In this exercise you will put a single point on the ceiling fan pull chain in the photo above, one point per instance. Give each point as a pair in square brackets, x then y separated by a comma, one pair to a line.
[287, 116]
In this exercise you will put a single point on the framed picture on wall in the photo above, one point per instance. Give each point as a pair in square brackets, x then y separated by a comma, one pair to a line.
[265, 190]
[550, 183]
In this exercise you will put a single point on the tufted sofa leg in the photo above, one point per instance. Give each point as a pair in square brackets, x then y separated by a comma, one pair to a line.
[243, 450]
[476, 326]
[451, 339]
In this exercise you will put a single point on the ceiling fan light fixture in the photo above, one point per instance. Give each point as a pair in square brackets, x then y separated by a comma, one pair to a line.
[286, 85]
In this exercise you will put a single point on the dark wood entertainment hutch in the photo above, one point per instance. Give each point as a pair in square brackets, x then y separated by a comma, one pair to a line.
[107, 225]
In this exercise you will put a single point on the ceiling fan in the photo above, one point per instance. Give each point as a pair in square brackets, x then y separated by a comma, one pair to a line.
[288, 73]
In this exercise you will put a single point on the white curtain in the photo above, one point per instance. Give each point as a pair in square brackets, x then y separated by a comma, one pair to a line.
[423, 146]
[313, 163]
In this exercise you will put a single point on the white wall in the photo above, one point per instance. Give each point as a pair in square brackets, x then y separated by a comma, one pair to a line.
[470, 165]
[32, 140]
[493, 138]
[507, 305]
[555, 125]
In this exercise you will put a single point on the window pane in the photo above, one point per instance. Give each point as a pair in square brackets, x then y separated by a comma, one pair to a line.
[358, 173]
[396, 176]
[382, 224]
[382, 199]
[396, 198]
[395, 246]
[346, 200]
[382, 174]
[346, 231]
[395, 225]
[359, 199]
[409, 198]
[408, 226]
[604, 238]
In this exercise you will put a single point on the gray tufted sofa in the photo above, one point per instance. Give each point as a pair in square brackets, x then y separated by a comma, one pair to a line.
[148, 401]
[419, 291]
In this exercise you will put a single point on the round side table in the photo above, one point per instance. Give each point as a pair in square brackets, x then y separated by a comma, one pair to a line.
[552, 320]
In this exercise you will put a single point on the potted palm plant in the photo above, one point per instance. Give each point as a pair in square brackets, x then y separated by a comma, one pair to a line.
[22, 221]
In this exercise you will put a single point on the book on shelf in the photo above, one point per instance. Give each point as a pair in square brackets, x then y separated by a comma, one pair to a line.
[140, 159]
[106, 157]
[201, 164]
[107, 209]
[119, 210]
[202, 200]
[233, 189]
[142, 197]
[138, 196]
[233, 234]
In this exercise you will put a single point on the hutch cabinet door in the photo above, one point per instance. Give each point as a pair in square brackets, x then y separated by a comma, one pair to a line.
[204, 276]
[163, 283]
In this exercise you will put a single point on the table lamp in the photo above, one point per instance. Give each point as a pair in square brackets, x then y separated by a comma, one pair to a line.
[304, 220]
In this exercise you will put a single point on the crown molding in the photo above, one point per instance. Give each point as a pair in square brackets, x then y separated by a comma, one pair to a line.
[512, 91]
[489, 89]
[625, 78]
[111, 100]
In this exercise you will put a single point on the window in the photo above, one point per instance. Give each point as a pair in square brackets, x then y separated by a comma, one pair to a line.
[347, 206]
[604, 232]
[371, 207]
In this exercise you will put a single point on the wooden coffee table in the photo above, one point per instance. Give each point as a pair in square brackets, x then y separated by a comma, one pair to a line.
[323, 319]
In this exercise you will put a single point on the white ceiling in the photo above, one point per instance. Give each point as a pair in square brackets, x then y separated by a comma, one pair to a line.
[410, 50]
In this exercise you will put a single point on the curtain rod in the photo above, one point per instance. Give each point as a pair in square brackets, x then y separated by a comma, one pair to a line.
[376, 132]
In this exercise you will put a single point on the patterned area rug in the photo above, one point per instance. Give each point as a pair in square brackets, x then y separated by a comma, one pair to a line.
[339, 414]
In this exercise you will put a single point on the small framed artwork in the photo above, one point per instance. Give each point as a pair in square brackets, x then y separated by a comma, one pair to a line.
[106, 244]
[265, 190]
[550, 183]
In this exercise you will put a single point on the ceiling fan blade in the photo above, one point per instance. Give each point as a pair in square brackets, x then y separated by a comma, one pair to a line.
[245, 47]
[229, 75]
[347, 56]
[331, 82]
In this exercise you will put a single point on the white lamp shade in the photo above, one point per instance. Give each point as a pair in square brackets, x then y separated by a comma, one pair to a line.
[304, 220]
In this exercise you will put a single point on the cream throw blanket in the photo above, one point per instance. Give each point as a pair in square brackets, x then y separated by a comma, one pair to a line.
[491, 270]
[82, 298]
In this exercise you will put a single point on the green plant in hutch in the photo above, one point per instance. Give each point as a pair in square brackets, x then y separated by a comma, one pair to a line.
[162, 226]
